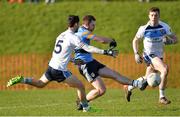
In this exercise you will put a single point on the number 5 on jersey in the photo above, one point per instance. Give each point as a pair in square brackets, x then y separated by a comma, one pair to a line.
[58, 47]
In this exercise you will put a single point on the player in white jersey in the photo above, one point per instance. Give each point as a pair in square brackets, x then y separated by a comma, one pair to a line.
[154, 35]
[57, 70]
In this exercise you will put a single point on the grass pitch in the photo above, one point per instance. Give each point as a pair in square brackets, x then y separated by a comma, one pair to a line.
[61, 102]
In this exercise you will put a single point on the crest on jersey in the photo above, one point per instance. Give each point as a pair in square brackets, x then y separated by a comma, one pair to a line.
[163, 32]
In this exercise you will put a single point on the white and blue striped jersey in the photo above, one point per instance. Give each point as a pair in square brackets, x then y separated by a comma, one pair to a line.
[153, 37]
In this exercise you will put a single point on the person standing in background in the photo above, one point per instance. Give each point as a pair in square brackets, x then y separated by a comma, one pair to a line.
[13, 1]
[33, 1]
[49, 1]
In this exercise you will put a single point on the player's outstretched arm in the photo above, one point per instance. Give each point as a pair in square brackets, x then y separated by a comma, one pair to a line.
[102, 39]
[92, 49]
[111, 41]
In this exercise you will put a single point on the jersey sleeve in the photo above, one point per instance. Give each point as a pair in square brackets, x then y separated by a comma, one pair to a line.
[88, 35]
[140, 32]
[76, 41]
[168, 29]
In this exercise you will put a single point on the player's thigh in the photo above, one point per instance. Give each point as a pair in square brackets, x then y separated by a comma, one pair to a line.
[98, 84]
[108, 73]
[72, 81]
[158, 64]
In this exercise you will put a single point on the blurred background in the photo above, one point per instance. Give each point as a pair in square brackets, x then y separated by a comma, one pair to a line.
[28, 30]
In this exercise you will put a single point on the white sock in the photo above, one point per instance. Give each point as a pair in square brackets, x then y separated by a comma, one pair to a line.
[130, 88]
[161, 93]
[135, 83]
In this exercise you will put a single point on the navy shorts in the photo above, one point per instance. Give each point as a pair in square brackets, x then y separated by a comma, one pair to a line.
[148, 58]
[57, 75]
[90, 70]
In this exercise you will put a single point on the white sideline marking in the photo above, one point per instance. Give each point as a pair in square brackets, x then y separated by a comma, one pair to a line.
[28, 106]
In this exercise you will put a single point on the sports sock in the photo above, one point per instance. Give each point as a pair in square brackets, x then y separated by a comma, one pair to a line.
[135, 83]
[27, 80]
[84, 103]
[130, 88]
[161, 93]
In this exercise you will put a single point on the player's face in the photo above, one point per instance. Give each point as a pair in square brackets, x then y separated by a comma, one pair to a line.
[154, 18]
[92, 25]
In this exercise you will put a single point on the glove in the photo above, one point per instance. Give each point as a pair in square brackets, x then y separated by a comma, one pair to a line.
[167, 41]
[78, 61]
[113, 44]
[111, 52]
[138, 58]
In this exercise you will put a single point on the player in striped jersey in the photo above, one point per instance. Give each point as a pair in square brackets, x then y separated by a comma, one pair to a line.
[154, 35]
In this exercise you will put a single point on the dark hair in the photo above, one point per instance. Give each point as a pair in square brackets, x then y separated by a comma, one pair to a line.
[72, 19]
[88, 18]
[154, 9]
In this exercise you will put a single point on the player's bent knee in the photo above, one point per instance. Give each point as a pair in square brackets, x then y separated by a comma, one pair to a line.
[102, 91]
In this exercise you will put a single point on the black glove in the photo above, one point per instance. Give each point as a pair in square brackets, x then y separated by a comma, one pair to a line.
[168, 41]
[111, 52]
[112, 44]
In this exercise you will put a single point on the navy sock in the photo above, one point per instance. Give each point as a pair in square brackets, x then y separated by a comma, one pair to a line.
[84, 104]
[27, 80]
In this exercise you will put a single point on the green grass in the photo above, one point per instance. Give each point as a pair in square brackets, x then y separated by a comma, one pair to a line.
[62, 103]
[32, 28]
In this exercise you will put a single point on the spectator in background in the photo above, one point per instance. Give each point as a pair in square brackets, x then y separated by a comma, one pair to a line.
[33, 1]
[13, 1]
[49, 1]
[144, 0]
